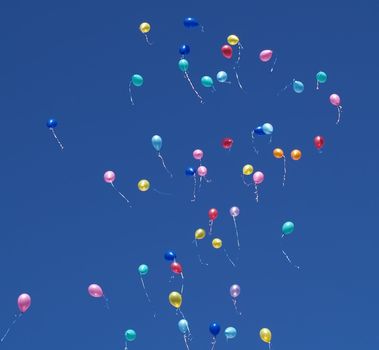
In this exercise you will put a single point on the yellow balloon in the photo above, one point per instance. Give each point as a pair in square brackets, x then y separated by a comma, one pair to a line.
[144, 27]
[247, 169]
[217, 243]
[200, 233]
[175, 299]
[265, 335]
[233, 39]
[143, 185]
[296, 154]
[278, 153]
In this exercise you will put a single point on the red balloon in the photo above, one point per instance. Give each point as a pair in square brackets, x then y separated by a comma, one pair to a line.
[319, 142]
[227, 51]
[227, 143]
[176, 267]
[212, 214]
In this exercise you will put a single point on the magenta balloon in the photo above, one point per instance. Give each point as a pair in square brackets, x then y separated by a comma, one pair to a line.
[234, 211]
[198, 154]
[95, 291]
[258, 177]
[23, 302]
[109, 176]
[265, 55]
[202, 170]
[335, 100]
[235, 290]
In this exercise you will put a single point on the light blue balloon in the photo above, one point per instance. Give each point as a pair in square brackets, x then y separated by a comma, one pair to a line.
[130, 335]
[143, 270]
[207, 81]
[288, 227]
[156, 141]
[298, 86]
[230, 333]
[183, 326]
[222, 76]
[267, 128]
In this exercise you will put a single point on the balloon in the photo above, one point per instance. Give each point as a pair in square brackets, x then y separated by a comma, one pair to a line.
[190, 22]
[176, 267]
[95, 291]
[183, 326]
[175, 299]
[258, 177]
[288, 227]
[335, 100]
[202, 170]
[24, 301]
[52, 123]
[217, 243]
[247, 169]
[234, 211]
[212, 214]
[230, 333]
[190, 171]
[319, 142]
[321, 77]
[183, 65]
[296, 154]
[207, 81]
[198, 154]
[184, 49]
[109, 176]
[278, 153]
[233, 39]
[137, 80]
[199, 233]
[130, 335]
[298, 86]
[144, 27]
[267, 128]
[143, 185]
[227, 51]
[265, 55]
[143, 270]
[170, 255]
[265, 335]
[222, 76]
[235, 290]
[214, 328]
[259, 131]
[156, 141]
[227, 143]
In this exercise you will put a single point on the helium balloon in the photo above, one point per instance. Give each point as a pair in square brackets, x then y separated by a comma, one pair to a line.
[190, 22]
[230, 332]
[288, 227]
[267, 128]
[175, 299]
[199, 233]
[214, 328]
[227, 143]
[143, 270]
[143, 185]
[130, 335]
[109, 176]
[183, 65]
[156, 141]
[202, 171]
[222, 76]
[176, 267]
[278, 153]
[144, 27]
[235, 290]
[207, 81]
[234, 211]
[217, 243]
[298, 86]
[190, 171]
[265, 335]
[198, 154]
[296, 154]
[227, 51]
[137, 80]
[335, 100]
[259, 131]
[95, 291]
[52, 123]
[321, 77]
[23, 302]
[247, 169]
[233, 39]
[212, 214]
[170, 255]
[184, 49]
[265, 55]
[183, 326]
[319, 142]
[258, 177]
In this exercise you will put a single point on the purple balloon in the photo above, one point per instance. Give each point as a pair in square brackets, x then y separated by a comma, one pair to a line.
[235, 290]
[234, 211]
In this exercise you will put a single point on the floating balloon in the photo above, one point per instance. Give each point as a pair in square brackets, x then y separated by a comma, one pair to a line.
[258, 178]
[335, 100]
[143, 270]
[321, 78]
[200, 233]
[176, 268]
[296, 154]
[217, 243]
[265, 335]
[235, 291]
[52, 124]
[202, 171]
[184, 49]
[190, 171]
[230, 332]
[23, 302]
[278, 154]
[144, 29]
[130, 335]
[156, 141]
[95, 291]
[227, 143]
[227, 51]
[267, 128]
[298, 86]
[175, 299]
[137, 80]
[183, 326]
[234, 212]
[198, 154]
[183, 65]
[170, 255]
[207, 81]
[212, 214]
[143, 185]
[319, 142]
[214, 328]
[247, 169]
[190, 22]
[110, 177]
[259, 131]
[265, 55]
[222, 77]
[233, 39]
[288, 227]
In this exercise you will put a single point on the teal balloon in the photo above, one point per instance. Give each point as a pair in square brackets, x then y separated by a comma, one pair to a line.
[183, 326]
[207, 81]
[183, 65]
[137, 80]
[156, 141]
[321, 77]
[267, 128]
[298, 86]
[130, 335]
[143, 270]
[288, 228]
[230, 333]
[222, 77]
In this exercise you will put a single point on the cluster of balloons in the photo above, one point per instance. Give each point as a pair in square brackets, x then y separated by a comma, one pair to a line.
[265, 129]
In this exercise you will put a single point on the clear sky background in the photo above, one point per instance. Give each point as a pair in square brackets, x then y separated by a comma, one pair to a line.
[63, 228]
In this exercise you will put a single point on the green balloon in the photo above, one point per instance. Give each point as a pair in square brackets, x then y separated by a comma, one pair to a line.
[288, 228]
[183, 65]
[137, 80]
[143, 269]
[207, 81]
[321, 77]
[130, 335]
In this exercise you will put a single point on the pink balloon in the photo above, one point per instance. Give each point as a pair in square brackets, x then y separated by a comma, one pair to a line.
[109, 176]
[23, 302]
[202, 170]
[95, 291]
[235, 290]
[234, 211]
[198, 154]
[258, 177]
[335, 100]
[265, 55]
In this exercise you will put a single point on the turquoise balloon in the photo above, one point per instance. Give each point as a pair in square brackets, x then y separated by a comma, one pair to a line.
[288, 228]
[222, 77]
[267, 128]
[298, 86]
[143, 270]
[130, 335]
[183, 326]
[321, 77]
[207, 81]
[156, 141]
[230, 333]
[183, 65]
[137, 80]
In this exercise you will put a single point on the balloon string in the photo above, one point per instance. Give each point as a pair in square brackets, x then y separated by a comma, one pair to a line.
[130, 93]
[256, 193]
[114, 187]
[213, 343]
[164, 165]
[230, 260]
[289, 260]
[202, 29]
[339, 108]
[147, 40]
[194, 189]
[235, 306]
[269, 345]
[198, 254]
[185, 341]
[16, 317]
[317, 85]
[240, 47]
[181, 289]
[238, 80]
[252, 140]
[201, 180]
[186, 76]
[273, 66]
[126, 345]
[181, 313]
[146, 293]
[106, 301]
[284, 170]
[244, 181]
[162, 193]
[236, 229]
[56, 138]
[210, 226]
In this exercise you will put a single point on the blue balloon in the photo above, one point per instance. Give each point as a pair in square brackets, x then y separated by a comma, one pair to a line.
[156, 141]
[222, 76]
[190, 22]
[184, 49]
[170, 255]
[298, 86]
[51, 123]
[230, 333]
[190, 171]
[214, 328]
[259, 131]
[183, 326]
[267, 128]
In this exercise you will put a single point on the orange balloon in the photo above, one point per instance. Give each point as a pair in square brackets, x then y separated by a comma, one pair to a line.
[278, 153]
[296, 154]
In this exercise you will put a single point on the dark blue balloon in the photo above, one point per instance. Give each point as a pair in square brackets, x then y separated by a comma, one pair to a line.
[190, 22]
[184, 49]
[51, 123]
[190, 171]
[170, 255]
[259, 131]
[214, 328]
